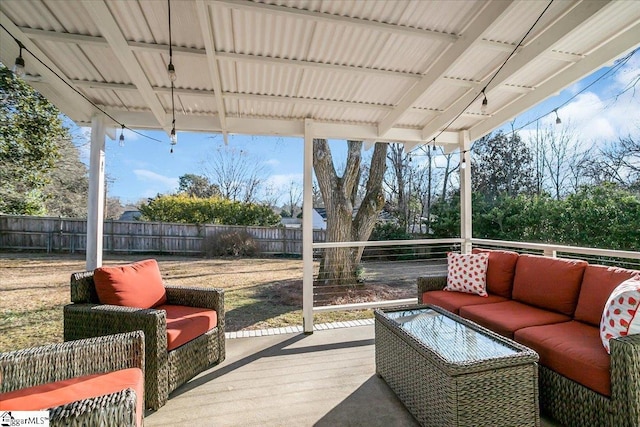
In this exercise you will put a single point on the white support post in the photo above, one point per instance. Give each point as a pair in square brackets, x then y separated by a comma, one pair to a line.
[466, 232]
[95, 211]
[307, 230]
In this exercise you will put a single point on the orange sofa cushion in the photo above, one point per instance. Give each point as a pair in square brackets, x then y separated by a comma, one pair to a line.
[133, 285]
[551, 283]
[187, 323]
[59, 393]
[452, 301]
[572, 349]
[500, 271]
[597, 284]
[507, 317]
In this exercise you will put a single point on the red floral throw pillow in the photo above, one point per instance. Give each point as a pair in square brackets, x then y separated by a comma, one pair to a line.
[467, 273]
[620, 316]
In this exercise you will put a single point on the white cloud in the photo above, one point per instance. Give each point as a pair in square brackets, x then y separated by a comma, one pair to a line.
[283, 181]
[599, 120]
[272, 162]
[163, 183]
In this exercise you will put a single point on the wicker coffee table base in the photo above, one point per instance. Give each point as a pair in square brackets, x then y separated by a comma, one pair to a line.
[505, 396]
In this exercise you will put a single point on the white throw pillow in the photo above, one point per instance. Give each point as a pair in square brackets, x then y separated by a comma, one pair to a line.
[467, 273]
[620, 316]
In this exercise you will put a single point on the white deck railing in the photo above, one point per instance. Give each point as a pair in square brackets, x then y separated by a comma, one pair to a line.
[629, 259]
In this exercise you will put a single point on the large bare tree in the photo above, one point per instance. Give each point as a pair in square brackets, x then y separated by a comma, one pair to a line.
[339, 265]
[236, 173]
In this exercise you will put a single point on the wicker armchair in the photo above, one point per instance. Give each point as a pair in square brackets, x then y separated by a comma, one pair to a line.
[57, 362]
[164, 370]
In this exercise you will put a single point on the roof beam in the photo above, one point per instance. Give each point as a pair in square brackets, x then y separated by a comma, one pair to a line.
[327, 17]
[210, 47]
[243, 57]
[82, 39]
[603, 55]
[109, 28]
[289, 99]
[491, 12]
[554, 33]
[58, 90]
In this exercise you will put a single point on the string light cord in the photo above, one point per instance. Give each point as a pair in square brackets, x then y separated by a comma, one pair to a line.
[63, 80]
[611, 70]
[483, 91]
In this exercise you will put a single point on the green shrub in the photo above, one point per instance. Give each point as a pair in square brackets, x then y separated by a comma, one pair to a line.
[235, 243]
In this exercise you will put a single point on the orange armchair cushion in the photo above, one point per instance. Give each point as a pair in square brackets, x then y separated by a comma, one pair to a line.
[133, 285]
[59, 393]
[187, 323]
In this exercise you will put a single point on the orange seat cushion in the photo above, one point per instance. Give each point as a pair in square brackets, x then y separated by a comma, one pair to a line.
[452, 301]
[507, 317]
[187, 323]
[500, 271]
[133, 285]
[597, 284]
[551, 283]
[59, 393]
[572, 349]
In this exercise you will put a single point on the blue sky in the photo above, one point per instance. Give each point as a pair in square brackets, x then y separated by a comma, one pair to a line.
[144, 168]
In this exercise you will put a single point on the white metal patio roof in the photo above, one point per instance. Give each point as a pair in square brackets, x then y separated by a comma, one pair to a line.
[394, 70]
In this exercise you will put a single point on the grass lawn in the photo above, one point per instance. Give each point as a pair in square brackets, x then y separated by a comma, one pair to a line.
[259, 293]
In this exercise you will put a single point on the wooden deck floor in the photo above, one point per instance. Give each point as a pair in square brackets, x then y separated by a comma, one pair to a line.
[324, 379]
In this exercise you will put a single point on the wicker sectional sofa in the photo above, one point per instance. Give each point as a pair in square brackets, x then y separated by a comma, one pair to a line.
[554, 307]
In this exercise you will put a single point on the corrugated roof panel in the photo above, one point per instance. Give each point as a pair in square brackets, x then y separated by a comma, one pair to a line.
[477, 63]
[407, 54]
[135, 23]
[221, 17]
[431, 15]
[266, 79]
[191, 73]
[336, 43]
[71, 60]
[338, 115]
[514, 24]
[415, 118]
[107, 98]
[193, 104]
[131, 100]
[107, 64]
[616, 15]
[339, 85]
[227, 70]
[276, 110]
[264, 34]
[441, 95]
[536, 72]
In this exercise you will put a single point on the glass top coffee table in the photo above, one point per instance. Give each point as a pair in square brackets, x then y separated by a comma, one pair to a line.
[449, 371]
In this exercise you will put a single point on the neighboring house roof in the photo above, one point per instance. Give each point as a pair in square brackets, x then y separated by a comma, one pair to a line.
[130, 215]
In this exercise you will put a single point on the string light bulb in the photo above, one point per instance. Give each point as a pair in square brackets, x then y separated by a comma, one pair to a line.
[173, 138]
[463, 163]
[558, 121]
[485, 103]
[172, 72]
[434, 145]
[18, 67]
[122, 137]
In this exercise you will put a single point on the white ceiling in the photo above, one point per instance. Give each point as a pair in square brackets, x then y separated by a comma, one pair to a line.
[397, 70]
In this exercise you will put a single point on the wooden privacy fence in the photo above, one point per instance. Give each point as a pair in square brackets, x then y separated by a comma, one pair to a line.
[52, 234]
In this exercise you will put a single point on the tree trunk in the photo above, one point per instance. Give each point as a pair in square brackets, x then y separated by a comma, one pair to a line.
[339, 265]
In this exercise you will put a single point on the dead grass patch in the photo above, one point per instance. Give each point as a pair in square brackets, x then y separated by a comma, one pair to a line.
[259, 293]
